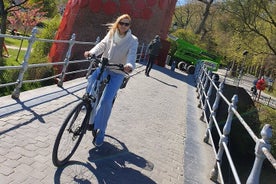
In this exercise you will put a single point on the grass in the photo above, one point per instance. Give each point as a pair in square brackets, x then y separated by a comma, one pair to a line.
[267, 115]
[13, 60]
[16, 42]
[273, 93]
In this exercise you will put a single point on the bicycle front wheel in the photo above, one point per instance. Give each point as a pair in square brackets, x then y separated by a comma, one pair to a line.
[70, 134]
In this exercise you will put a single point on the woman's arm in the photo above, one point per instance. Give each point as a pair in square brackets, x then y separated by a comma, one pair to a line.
[132, 53]
[100, 47]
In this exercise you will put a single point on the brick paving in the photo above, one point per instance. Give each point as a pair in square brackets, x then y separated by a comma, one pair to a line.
[154, 135]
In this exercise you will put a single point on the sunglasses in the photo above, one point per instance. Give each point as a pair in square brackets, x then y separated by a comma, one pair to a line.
[124, 23]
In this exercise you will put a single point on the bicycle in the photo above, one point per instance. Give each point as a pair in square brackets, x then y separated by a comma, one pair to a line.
[77, 121]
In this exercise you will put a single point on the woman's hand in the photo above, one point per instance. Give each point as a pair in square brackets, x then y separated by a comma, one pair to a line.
[86, 54]
[127, 68]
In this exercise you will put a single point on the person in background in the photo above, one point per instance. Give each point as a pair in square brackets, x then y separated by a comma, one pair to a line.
[269, 84]
[119, 46]
[254, 88]
[154, 48]
[5, 49]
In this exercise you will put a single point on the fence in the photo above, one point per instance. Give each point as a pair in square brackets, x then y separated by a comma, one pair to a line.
[142, 52]
[262, 145]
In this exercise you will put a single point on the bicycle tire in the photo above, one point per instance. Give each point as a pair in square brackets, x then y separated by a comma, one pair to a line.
[76, 124]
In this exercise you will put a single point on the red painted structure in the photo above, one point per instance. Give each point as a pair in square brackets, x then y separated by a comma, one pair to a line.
[87, 19]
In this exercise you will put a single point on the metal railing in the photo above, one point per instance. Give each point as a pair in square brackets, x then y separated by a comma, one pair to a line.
[205, 85]
[141, 54]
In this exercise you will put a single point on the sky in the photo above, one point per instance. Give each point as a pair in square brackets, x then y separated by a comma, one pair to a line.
[181, 2]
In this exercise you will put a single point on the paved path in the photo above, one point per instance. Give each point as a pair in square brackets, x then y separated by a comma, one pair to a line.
[154, 135]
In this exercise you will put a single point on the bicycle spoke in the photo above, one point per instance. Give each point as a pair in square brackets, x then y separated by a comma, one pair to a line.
[69, 136]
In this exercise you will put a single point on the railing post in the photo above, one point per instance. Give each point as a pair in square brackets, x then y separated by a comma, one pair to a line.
[91, 63]
[201, 87]
[16, 91]
[198, 72]
[266, 133]
[213, 112]
[200, 78]
[209, 92]
[66, 60]
[224, 137]
[206, 80]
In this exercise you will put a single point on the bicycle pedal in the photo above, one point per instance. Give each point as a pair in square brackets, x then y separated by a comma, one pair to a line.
[85, 96]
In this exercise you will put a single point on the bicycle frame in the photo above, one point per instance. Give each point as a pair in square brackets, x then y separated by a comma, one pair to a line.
[99, 85]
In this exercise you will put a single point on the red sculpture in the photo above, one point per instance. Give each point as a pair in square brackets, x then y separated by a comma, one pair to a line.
[86, 18]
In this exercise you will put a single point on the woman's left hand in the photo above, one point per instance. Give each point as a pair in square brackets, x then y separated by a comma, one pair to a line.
[127, 68]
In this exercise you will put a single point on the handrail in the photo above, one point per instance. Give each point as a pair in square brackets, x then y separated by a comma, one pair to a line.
[262, 148]
[60, 77]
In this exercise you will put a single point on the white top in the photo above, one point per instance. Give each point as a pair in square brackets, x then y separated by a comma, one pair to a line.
[118, 50]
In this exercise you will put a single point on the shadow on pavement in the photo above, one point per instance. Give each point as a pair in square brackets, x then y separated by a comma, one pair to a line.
[33, 102]
[111, 163]
[19, 105]
[176, 74]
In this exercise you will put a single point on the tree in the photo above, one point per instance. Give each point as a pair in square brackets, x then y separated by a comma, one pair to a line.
[26, 18]
[254, 17]
[183, 15]
[208, 4]
[49, 6]
[5, 9]
[255, 22]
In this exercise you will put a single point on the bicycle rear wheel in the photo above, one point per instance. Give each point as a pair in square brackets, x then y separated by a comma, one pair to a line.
[70, 134]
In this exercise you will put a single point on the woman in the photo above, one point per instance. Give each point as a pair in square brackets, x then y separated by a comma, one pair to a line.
[120, 47]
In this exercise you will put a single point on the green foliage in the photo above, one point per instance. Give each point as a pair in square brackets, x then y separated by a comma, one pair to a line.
[49, 6]
[11, 60]
[39, 55]
[186, 35]
[7, 76]
[41, 49]
[232, 27]
[16, 42]
[267, 115]
[189, 36]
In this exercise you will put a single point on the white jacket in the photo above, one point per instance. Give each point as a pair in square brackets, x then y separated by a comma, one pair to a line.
[124, 52]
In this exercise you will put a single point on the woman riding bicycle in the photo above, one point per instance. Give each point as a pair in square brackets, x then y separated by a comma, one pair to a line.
[119, 46]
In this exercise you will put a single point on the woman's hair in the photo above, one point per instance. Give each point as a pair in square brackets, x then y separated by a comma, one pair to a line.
[113, 26]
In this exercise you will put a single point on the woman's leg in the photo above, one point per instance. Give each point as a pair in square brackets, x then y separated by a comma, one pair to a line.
[91, 79]
[151, 61]
[105, 105]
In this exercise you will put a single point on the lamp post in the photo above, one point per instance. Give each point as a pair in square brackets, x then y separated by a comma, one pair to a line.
[242, 66]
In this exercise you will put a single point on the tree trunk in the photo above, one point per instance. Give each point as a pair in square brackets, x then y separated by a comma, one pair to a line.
[3, 31]
[205, 16]
[3, 28]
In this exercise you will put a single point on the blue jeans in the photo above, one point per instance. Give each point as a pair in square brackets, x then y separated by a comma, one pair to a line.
[104, 107]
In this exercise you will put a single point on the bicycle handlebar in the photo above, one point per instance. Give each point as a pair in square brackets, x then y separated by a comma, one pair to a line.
[105, 62]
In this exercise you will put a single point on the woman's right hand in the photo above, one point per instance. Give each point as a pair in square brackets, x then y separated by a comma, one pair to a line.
[86, 54]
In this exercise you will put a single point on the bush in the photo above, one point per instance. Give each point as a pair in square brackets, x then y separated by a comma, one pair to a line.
[40, 53]
[42, 49]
